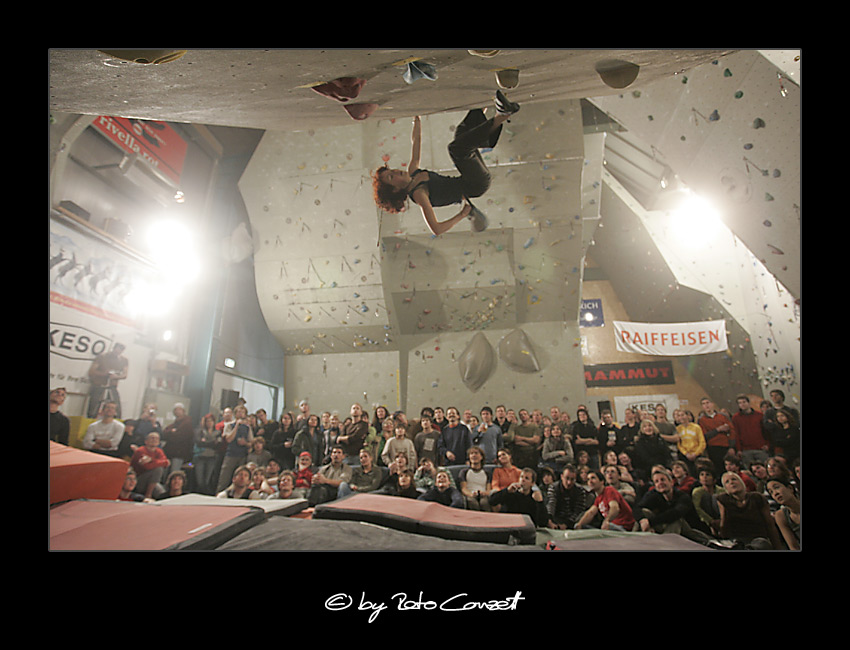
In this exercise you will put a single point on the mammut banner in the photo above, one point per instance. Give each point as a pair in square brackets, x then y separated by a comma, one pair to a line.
[629, 374]
[671, 339]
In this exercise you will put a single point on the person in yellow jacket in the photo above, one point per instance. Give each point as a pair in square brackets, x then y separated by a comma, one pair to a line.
[691, 443]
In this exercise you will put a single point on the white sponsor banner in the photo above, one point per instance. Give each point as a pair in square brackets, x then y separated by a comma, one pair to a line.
[671, 339]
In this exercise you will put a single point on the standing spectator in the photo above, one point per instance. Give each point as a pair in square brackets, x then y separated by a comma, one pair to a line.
[237, 436]
[178, 438]
[106, 371]
[204, 460]
[454, 440]
[691, 443]
[525, 437]
[425, 442]
[59, 426]
[281, 441]
[399, 443]
[488, 436]
[584, 435]
[719, 433]
[751, 439]
[353, 435]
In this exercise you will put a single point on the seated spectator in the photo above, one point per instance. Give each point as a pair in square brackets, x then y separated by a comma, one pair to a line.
[521, 497]
[704, 497]
[424, 478]
[303, 475]
[273, 470]
[609, 503]
[175, 485]
[149, 462]
[104, 436]
[128, 489]
[286, 486]
[327, 480]
[566, 501]
[788, 517]
[365, 478]
[505, 473]
[682, 476]
[475, 481]
[397, 466]
[240, 487]
[443, 492]
[405, 486]
[664, 509]
[732, 464]
[612, 478]
[259, 484]
[745, 516]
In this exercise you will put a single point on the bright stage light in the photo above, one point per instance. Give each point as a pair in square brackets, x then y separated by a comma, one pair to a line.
[695, 222]
[173, 250]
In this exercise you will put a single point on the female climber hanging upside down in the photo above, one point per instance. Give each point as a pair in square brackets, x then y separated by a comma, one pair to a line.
[392, 187]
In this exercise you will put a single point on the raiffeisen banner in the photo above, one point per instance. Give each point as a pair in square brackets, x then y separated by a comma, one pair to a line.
[671, 339]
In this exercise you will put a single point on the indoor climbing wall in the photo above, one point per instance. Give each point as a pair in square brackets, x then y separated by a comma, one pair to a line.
[371, 307]
[730, 130]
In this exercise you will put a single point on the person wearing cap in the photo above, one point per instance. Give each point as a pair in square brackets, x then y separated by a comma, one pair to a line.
[302, 476]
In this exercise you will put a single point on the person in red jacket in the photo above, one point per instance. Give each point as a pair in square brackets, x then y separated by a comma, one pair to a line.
[752, 442]
[719, 433]
[149, 462]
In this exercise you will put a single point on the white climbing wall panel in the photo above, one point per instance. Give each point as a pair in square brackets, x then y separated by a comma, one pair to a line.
[368, 302]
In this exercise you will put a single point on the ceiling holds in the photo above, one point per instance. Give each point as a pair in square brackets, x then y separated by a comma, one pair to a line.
[476, 362]
[153, 57]
[516, 352]
[360, 111]
[507, 78]
[342, 89]
[418, 69]
[617, 74]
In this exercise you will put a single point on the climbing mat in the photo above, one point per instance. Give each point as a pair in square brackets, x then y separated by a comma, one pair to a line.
[282, 507]
[80, 474]
[292, 534]
[612, 540]
[428, 518]
[92, 525]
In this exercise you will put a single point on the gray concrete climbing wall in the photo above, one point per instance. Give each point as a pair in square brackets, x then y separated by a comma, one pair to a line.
[370, 307]
[731, 132]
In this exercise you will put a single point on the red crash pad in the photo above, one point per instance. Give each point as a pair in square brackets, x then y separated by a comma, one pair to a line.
[131, 526]
[80, 474]
[428, 518]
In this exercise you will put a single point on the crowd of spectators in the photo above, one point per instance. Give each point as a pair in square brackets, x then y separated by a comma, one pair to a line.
[731, 479]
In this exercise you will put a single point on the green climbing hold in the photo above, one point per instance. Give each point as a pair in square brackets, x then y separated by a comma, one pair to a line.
[727, 72]
[739, 94]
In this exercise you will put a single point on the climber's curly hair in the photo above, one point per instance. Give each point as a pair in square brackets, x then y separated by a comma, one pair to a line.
[388, 198]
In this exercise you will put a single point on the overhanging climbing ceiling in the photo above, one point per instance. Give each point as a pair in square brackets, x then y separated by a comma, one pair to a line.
[270, 89]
